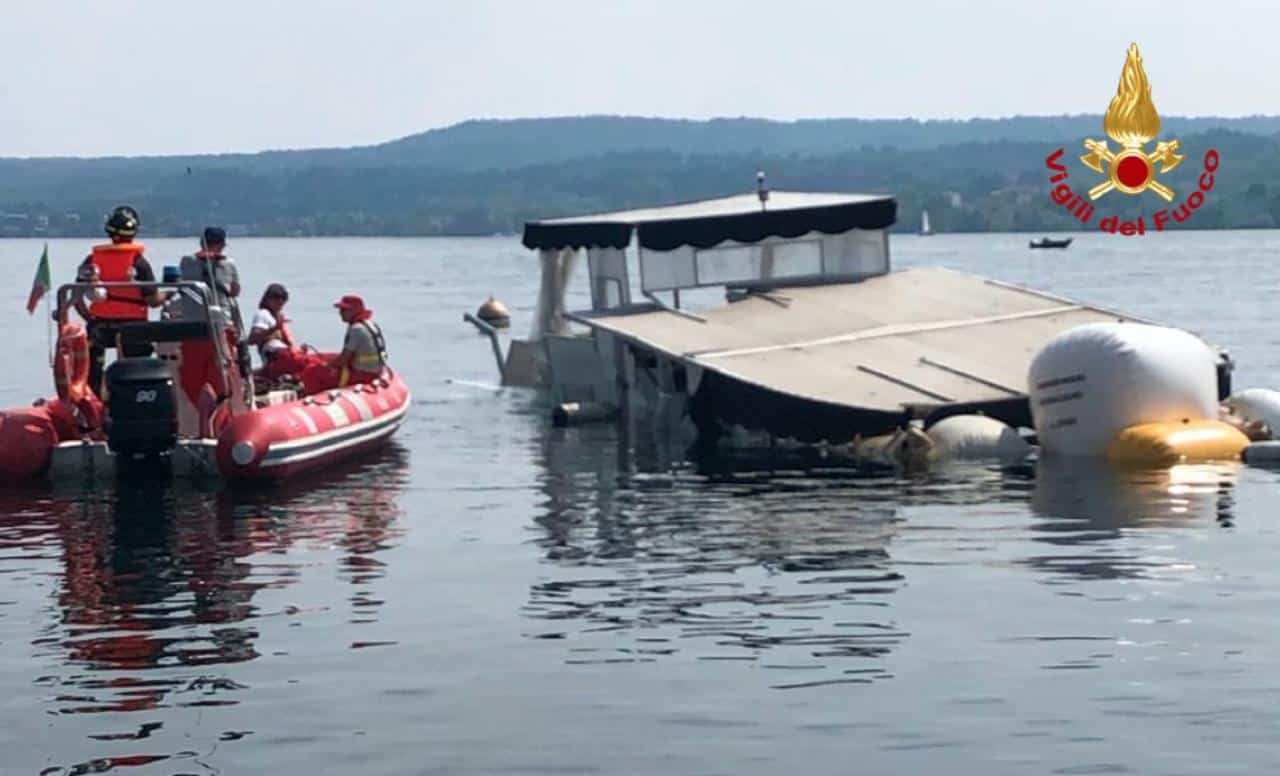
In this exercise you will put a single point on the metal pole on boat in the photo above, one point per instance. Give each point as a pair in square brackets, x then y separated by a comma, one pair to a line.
[48, 302]
[49, 323]
[492, 334]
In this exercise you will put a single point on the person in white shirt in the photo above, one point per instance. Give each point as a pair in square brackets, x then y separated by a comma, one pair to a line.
[269, 332]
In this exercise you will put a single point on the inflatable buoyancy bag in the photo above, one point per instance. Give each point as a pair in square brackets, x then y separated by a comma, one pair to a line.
[1257, 404]
[1090, 382]
[27, 439]
[970, 437]
[1165, 444]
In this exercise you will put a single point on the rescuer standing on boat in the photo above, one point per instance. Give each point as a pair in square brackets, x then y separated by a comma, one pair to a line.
[119, 261]
[209, 265]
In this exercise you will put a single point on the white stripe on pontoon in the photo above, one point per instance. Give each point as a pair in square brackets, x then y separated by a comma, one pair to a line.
[360, 404]
[338, 415]
[302, 415]
[305, 441]
[392, 422]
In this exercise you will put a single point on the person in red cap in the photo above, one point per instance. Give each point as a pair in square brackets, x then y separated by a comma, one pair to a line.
[364, 351]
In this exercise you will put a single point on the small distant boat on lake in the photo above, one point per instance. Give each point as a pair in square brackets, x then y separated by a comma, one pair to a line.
[1049, 242]
[925, 229]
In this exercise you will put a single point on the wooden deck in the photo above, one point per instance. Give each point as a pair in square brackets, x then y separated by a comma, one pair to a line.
[916, 337]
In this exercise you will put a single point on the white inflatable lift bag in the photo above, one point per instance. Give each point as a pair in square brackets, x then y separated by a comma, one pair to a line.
[972, 437]
[1090, 382]
[1257, 404]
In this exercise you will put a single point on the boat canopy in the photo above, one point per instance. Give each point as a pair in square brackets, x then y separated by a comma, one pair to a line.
[742, 218]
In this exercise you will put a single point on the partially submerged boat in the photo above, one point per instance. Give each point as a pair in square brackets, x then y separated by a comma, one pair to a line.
[816, 340]
[145, 423]
[1049, 242]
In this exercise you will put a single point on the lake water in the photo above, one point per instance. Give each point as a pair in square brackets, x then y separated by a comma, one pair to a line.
[493, 595]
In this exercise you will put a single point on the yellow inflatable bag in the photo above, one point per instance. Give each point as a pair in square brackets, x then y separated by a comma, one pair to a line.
[1164, 444]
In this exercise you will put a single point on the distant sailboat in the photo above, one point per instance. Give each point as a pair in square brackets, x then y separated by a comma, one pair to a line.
[925, 231]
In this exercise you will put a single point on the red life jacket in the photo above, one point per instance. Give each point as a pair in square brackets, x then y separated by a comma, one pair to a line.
[283, 331]
[115, 265]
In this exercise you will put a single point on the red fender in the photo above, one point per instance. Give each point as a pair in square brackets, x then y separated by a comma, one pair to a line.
[27, 439]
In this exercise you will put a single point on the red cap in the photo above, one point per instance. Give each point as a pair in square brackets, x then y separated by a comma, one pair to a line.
[349, 302]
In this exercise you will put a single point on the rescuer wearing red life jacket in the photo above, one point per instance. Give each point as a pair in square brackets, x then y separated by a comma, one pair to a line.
[364, 351]
[118, 261]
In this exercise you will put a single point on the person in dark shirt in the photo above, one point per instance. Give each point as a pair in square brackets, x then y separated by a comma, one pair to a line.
[119, 261]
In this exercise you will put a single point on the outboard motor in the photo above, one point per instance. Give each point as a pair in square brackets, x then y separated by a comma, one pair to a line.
[142, 408]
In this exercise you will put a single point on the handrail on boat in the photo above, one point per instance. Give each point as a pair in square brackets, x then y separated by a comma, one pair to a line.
[492, 334]
[219, 343]
[668, 308]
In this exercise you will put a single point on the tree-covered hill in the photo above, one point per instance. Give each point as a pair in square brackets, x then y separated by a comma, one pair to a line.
[481, 177]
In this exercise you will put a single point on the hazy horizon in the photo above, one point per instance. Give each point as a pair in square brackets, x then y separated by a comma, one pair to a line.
[144, 78]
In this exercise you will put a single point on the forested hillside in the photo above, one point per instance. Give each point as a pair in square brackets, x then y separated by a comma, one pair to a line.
[482, 177]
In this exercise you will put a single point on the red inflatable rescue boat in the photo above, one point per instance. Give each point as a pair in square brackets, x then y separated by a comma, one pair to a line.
[241, 430]
[305, 434]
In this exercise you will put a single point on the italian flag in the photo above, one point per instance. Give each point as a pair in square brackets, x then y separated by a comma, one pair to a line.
[41, 285]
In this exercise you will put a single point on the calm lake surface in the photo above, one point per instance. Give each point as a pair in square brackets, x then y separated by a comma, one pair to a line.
[493, 595]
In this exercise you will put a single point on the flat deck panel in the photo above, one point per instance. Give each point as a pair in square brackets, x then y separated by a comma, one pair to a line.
[919, 336]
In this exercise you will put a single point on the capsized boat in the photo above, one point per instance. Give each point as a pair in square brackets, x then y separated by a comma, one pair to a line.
[146, 423]
[817, 340]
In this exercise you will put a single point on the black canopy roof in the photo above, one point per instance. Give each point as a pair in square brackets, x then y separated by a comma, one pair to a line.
[710, 222]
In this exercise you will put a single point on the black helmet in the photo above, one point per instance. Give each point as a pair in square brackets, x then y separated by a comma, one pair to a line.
[123, 222]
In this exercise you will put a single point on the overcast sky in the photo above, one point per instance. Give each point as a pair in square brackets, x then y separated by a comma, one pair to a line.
[85, 77]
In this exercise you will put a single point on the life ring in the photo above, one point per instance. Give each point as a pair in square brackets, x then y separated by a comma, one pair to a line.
[71, 363]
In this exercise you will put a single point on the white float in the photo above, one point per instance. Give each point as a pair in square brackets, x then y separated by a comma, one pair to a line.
[1257, 404]
[1090, 382]
[970, 437]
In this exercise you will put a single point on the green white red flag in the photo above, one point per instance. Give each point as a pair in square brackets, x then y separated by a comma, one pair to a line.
[41, 285]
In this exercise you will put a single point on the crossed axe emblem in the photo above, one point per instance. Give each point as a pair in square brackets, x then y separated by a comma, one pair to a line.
[1131, 170]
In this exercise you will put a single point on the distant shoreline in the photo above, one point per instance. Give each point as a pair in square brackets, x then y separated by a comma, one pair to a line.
[491, 177]
[895, 233]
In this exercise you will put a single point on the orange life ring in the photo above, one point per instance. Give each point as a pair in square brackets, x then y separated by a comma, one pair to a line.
[71, 363]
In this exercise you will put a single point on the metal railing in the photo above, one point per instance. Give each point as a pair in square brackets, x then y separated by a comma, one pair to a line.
[202, 296]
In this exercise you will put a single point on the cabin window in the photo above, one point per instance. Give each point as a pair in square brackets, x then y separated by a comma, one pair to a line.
[765, 261]
[665, 270]
[794, 259]
[609, 278]
[855, 254]
[726, 265]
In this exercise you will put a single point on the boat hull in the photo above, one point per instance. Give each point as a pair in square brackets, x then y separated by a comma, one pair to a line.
[293, 438]
[268, 444]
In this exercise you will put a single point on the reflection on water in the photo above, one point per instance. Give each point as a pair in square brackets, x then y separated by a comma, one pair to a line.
[781, 559]
[155, 601]
[785, 559]
[1087, 506]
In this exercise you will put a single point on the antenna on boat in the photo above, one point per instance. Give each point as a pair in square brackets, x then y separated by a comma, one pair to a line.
[762, 191]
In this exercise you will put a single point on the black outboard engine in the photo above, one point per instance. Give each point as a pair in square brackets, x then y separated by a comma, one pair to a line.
[142, 408]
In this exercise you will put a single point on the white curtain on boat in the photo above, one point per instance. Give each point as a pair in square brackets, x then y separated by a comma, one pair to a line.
[557, 268]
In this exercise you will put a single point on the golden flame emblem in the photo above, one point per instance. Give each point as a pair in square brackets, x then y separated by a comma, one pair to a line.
[1131, 121]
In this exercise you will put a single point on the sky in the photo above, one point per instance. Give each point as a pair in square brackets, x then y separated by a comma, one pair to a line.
[143, 77]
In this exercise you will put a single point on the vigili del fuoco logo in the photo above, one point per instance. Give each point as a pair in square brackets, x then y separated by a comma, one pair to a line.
[1130, 121]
